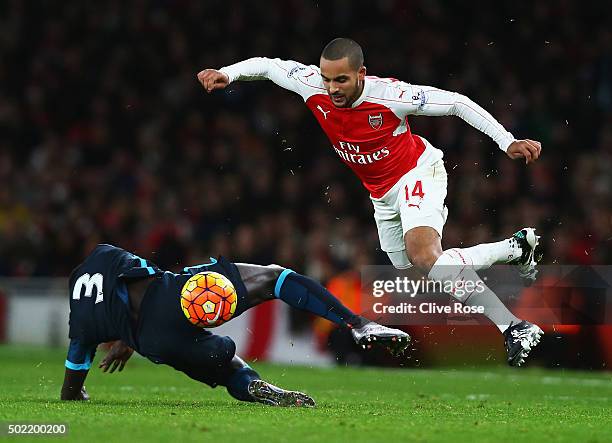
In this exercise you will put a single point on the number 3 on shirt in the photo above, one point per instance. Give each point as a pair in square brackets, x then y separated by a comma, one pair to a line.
[417, 191]
[89, 282]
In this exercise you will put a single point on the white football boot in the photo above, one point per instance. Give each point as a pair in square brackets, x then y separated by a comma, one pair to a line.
[372, 333]
[267, 393]
[527, 243]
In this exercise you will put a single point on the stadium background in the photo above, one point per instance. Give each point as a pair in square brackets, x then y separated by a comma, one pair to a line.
[106, 136]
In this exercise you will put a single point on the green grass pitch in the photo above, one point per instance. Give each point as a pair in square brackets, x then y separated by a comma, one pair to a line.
[155, 403]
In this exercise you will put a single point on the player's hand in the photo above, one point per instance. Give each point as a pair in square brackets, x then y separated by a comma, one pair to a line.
[212, 79]
[527, 149]
[117, 356]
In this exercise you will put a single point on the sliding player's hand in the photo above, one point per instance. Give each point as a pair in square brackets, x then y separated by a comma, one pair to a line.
[117, 356]
[527, 149]
[212, 79]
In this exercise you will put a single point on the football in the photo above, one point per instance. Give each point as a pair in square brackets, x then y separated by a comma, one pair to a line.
[208, 299]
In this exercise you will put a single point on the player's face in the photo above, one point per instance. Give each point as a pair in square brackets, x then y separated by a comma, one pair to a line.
[343, 83]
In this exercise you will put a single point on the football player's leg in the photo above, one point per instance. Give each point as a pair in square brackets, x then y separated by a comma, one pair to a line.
[245, 384]
[421, 198]
[201, 355]
[390, 234]
[209, 359]
[522, 249]
[235, 375]
[240, 380]
[423, 216]
[449, 268]
[301, 292]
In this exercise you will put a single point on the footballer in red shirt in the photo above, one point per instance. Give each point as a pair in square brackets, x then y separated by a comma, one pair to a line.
[366, 121]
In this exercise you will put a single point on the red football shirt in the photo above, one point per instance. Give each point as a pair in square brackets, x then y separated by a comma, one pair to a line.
[372, 136]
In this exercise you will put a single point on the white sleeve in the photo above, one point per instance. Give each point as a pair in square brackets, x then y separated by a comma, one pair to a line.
[291, 75]
[427, 100]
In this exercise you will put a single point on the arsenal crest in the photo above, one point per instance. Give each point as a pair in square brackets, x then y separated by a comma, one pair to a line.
[376, 121]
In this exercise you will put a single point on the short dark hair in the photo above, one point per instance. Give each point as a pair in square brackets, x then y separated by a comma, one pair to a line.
[344, 47]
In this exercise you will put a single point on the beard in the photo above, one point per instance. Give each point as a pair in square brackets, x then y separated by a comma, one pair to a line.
[348, 99]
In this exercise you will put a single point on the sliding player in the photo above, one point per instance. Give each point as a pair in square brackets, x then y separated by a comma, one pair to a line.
[365, 119]
[115, 295]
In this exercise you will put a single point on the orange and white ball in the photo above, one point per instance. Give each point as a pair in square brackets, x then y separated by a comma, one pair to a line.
[208, 299]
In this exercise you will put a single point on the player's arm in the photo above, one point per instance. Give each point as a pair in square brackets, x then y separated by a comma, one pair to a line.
[431, 101]
[77, 364]
[286, 74]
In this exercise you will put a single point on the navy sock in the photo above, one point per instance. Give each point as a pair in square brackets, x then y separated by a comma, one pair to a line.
[309, 295]
[238, 383]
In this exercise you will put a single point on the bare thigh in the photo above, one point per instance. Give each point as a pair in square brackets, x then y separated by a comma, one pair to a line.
[259, 281]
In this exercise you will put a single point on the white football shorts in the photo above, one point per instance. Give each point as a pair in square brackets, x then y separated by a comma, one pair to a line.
[417, 199]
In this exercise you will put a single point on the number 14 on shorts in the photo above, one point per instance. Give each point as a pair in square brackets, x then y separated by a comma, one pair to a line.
[417, 191]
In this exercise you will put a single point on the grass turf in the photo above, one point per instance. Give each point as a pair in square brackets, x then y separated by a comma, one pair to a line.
[155, 403]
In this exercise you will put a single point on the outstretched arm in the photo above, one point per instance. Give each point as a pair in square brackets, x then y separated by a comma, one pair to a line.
[427, 100]
[291, 75]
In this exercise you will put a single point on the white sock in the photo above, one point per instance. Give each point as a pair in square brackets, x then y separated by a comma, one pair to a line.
[452, 271]
[487, 254]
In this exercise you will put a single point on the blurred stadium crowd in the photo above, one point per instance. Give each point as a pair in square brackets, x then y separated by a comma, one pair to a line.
[106, 136]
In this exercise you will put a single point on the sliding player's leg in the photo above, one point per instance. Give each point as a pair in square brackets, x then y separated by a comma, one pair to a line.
[301, 292]
[208, 362]
[245, 384]
[164, 336]
[255, 284]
